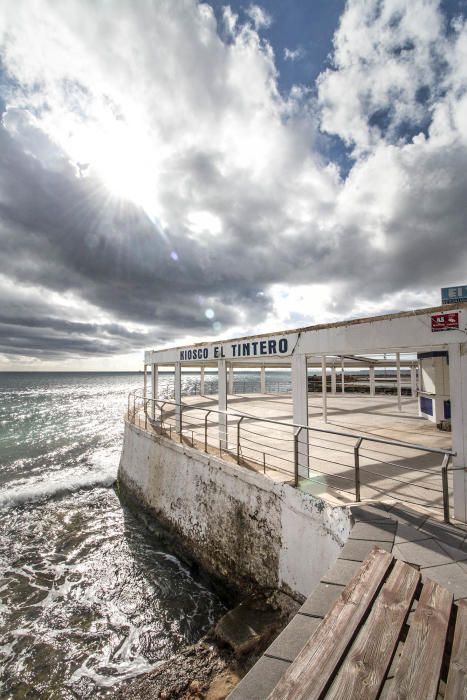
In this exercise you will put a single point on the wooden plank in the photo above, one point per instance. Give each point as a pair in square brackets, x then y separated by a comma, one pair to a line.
[457, 677]
[417, 676]
[366, 664]
[310, 673]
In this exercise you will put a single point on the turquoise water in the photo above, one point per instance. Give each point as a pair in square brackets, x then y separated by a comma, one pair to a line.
[88, 595]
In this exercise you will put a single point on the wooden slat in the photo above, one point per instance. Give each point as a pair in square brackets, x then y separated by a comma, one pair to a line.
[417, 676]
[457, 678]
[310, 673]
[366, 664]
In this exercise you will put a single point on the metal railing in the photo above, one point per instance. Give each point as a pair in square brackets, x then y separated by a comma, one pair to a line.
[382, 386]
[344, 463]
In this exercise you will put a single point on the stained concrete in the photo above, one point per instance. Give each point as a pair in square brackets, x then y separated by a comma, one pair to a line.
[239, 525]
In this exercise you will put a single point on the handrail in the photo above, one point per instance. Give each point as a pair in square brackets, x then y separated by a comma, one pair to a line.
[367, 438]
[300, 459]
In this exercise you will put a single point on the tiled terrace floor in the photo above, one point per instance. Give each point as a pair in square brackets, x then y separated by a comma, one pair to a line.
[388, 472]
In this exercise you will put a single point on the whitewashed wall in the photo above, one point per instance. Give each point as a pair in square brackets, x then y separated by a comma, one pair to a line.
[236, 523]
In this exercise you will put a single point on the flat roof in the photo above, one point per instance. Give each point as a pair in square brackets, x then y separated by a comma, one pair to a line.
[444, 308]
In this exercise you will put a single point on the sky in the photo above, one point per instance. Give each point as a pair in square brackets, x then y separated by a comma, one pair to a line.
[174, 171]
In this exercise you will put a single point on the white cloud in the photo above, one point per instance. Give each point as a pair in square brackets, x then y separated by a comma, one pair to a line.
[242, 215]
[294, 54]
[259, 16]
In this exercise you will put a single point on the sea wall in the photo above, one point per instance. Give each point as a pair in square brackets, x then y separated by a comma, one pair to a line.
[237, 524]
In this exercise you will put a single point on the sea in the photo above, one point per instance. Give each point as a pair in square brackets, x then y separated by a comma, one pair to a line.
[89, 595]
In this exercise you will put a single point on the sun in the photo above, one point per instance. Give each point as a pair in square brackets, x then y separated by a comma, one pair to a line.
[122, 157]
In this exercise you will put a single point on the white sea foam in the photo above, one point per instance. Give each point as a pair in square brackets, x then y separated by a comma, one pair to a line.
[44, 489]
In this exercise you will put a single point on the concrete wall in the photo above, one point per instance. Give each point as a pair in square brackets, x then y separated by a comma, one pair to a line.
[237, 524]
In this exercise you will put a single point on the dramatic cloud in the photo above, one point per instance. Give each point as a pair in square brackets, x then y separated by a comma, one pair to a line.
[155, 185]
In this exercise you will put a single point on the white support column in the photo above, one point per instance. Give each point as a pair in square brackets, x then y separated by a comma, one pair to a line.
[398, 375]
[201, 382]
[155, 388]
[342, 375]
[413, 381]
[300, 409]
[333, 380]
[458, 392]
[324, 389]
[145, 380]
[372, 381]
[231, 378]
[178, 394]
[222, 400]
[263, 380]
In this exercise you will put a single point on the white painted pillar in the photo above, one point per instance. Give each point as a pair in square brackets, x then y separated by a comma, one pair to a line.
[333, 379]
[231, 378]
[155, 389]
[398, 376]
[300, 409]
[263, 379]
[324, 389]
[222, 400]
[413, 381]
[201, 382]
[178, 394]
[342, 375]
[458, 392]
[145, 380]
[372, 381]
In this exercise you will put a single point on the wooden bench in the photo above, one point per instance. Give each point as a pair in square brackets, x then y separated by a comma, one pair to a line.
[387, 636]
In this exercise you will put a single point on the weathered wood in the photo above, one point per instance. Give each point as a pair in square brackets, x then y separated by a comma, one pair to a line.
[457, 678]
[417, 676]
[364, 669]
[310, 673]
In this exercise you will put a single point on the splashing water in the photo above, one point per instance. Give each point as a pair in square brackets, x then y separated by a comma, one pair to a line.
[88, 596]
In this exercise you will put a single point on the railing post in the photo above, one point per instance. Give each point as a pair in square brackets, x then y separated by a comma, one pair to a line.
[444, 478]
[238, 439]
[357, 468]
[206, 431]
[296, 435]
[145, 414]
[128, 409]
[181, 423]
[162, 416]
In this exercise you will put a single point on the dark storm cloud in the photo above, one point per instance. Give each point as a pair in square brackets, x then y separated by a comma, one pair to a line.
[232, 168]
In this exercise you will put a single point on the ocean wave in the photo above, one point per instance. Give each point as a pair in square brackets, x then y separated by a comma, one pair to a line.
[43, 490]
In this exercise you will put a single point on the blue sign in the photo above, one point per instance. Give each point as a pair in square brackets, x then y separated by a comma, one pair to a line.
[453, 295]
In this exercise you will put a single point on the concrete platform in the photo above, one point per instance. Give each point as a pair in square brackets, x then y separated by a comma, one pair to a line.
[387, 472]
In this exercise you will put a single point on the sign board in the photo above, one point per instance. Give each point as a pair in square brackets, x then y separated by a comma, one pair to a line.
[273, 346]
[453, 295]
[445, 322]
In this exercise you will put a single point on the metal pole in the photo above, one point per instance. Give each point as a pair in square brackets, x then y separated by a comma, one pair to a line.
[324, 388]
[206, 431]
[238, 439]
[357, 467]
[128, 409]
[342, 376]
[295, 461]
[444, 477]
[398, 374]
[145, 414]
[181, 423]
